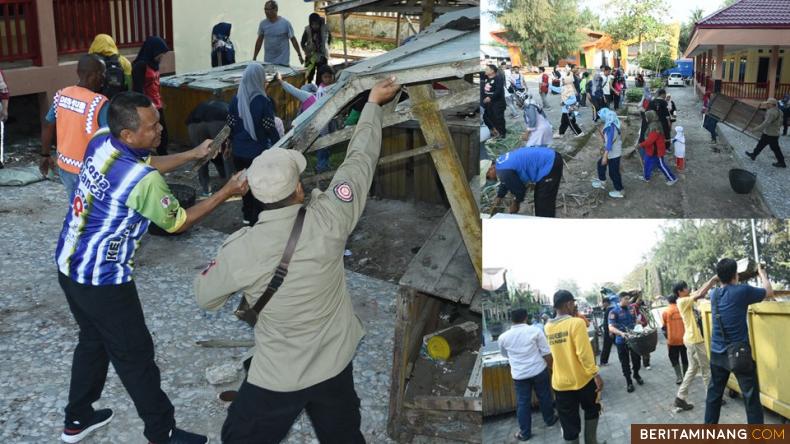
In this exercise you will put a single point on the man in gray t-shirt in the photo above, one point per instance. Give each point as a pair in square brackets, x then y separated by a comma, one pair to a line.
[277, 31]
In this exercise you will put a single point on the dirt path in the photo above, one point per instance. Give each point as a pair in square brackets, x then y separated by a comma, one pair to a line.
[703, 189]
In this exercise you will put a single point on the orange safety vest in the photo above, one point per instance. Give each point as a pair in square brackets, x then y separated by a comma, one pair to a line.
[77, 119]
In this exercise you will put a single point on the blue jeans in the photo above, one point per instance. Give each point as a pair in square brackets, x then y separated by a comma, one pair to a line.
[541, 384]
[614, 172]
[70, 181]
[748, 383]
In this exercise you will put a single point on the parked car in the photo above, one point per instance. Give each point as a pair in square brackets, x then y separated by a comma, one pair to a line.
[675, 79]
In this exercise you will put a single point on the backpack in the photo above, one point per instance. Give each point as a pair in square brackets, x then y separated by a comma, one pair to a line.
[114, 77]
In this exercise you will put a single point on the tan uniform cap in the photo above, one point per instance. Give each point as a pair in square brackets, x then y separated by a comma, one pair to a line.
[274, 174]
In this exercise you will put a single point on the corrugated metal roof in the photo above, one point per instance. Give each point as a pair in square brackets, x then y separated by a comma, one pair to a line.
[750, 14]
[494, 51]
[411, 7]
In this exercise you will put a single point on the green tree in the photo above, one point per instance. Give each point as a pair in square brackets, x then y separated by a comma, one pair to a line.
[726, 3]
[637, 19]
[543, 28]
[656, 60]
[687, 29]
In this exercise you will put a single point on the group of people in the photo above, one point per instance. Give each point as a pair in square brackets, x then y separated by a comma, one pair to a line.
[558, 356]
[106, 135]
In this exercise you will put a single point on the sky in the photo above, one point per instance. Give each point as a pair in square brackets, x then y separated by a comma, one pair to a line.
[542, 251]
[679, 10]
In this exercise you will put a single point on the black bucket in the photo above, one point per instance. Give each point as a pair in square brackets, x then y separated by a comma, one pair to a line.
[186, 196]
[742, 181]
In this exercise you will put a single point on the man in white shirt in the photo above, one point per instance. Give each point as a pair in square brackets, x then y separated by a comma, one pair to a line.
[526, 348]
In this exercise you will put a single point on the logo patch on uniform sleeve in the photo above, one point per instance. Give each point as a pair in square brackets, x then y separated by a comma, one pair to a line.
[165, 201]
[344, 192]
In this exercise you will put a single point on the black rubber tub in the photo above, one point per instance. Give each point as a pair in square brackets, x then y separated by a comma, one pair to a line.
[186, 197]
[742, 181]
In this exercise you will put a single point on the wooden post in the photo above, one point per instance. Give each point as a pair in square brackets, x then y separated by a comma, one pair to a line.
[451, 171]
[343, 29]
[427, 14]
[719, 68]
[397, 31]
[773, 65]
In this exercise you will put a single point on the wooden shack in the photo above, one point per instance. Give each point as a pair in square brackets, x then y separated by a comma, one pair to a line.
[183, 92]
[439, 288]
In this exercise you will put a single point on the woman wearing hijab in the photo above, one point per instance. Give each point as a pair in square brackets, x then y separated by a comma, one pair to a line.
[118, 69]
[655, 149]
[492, 98]
[315, 44]
[611, 152]
[253, 129]
[325, 78]
[145, 79]
[222, 51]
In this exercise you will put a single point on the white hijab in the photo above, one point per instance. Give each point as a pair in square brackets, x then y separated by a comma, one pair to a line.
[251, 86]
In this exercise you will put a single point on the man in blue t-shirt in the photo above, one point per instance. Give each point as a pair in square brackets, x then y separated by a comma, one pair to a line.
[621, 324]
[539, 165]
[729, 303]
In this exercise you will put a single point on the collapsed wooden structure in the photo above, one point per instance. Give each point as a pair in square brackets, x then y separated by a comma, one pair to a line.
[442, 283]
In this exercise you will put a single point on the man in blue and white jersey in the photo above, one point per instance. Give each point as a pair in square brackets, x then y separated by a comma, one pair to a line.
[120, 191]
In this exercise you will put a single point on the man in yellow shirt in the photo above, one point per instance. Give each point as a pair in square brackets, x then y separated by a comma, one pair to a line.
[575, 378]
[692, 339]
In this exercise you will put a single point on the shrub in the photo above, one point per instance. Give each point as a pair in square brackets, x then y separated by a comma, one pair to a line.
[633, 95]
[657, 82]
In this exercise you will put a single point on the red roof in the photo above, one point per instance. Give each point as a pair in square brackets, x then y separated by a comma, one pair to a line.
[750, 14]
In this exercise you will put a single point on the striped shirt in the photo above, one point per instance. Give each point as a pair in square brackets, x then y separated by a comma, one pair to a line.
[118, 194]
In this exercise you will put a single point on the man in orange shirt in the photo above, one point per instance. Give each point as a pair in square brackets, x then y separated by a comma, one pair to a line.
[77, 113]
[674, 331]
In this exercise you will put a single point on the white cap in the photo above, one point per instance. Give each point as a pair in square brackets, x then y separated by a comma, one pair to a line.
[274, 174]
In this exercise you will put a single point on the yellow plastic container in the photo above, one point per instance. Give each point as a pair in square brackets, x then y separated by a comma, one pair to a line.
[769, 336]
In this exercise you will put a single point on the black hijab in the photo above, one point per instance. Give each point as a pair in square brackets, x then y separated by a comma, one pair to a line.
[153, 47]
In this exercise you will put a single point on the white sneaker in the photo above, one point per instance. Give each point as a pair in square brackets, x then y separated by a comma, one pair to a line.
[580, 135]
[556, 135]
[598, 184]
[616, 194]
[642, 178]
[671, 182]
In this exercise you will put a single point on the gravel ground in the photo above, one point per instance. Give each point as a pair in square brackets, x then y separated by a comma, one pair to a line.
[38, 333]
[772, 182]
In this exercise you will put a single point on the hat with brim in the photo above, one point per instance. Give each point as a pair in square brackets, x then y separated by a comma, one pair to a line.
[771, 101]
[274, 174]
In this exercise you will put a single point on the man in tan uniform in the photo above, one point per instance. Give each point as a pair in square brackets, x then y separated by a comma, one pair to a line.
[306, 336]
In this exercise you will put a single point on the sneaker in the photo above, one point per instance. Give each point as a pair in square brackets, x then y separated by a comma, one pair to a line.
[630, 388]
[580, 135]
[616, 194]
[639, 380]
[521, 437]
[598, 184]
[647, 366]
[74, 431]
[553, 421]
[603, 364]
[245, 221]
[683, 405]
[751, 155]
[556, 135]
[779, 165]
[669, 183]
[644, 179]
[178, 436]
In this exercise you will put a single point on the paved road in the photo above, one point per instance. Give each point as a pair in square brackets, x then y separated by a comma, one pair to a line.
[650, 403]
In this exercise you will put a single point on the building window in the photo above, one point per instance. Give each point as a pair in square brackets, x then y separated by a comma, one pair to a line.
[742, 70]
[732, 68]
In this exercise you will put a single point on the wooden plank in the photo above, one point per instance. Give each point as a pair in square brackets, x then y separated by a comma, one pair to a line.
[474, 388]
[449, 403]
[442, 266]
[456, 99]
[450, 170]
[460, 426]
[428, 312]
[382, 161]
[404, 315]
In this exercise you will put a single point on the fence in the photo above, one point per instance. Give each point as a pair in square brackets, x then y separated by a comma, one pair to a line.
[745, 90]
[19, 31]
[129, 22]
